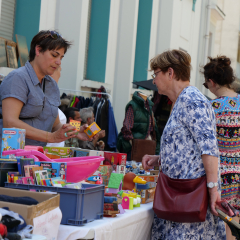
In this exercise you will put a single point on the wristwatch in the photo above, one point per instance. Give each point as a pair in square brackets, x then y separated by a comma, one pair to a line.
[212, 184]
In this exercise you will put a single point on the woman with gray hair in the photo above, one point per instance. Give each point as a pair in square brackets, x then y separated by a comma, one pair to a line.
[87, 115]
[189, 150]
[88, 118]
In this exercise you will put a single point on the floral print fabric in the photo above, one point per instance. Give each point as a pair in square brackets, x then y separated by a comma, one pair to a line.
[189, 133]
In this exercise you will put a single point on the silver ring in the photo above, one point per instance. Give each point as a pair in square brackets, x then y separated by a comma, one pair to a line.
[65, 134]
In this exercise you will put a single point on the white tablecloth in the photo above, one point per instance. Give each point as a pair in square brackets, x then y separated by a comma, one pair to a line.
[133, 224]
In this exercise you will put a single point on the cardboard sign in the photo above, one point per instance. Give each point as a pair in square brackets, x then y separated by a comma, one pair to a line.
[48, 224]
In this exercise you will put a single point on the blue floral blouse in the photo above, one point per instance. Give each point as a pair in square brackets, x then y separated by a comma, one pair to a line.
[190, 132]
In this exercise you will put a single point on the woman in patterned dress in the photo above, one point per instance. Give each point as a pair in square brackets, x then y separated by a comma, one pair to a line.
[189, 147]
[218, 77]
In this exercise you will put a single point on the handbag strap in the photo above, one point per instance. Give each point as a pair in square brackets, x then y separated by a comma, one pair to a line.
[154, 132]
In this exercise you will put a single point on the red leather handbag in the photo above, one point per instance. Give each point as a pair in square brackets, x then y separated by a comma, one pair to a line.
[181, 200]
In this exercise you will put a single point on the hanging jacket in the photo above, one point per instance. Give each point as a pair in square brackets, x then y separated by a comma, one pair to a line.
[112, 128]
[141, 124]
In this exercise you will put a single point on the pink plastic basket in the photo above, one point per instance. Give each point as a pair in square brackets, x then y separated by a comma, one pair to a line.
[78, 168]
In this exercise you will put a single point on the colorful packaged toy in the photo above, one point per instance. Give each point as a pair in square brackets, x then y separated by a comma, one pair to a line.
[57, 169]
[12, 139]
[92, 130]
[58, 152]
[76, 124]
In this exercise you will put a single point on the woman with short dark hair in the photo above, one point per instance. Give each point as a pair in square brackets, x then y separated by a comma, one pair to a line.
[29, 97]
[219, 76]
[188, 149]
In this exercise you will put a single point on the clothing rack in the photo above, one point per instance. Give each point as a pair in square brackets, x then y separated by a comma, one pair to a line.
[80, 91]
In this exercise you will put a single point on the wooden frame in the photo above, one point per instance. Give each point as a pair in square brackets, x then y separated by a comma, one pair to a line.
[3, 53]
[11, 54]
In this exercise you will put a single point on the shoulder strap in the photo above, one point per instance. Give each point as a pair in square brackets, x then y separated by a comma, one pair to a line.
[154, 132]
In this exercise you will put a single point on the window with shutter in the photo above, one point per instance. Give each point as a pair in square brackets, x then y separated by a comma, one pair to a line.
[7, 19]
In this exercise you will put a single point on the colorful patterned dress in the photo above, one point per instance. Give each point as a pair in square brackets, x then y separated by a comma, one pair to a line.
[188, 134]
[227, 111]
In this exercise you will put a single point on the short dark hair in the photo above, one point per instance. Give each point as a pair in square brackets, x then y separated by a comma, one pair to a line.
[47, 43]
[219, 70]
[178, 60]
[70, 112]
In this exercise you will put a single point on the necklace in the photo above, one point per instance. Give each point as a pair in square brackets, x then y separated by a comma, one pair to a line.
[177, 98]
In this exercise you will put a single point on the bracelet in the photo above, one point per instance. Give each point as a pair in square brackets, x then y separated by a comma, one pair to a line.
[47, 137]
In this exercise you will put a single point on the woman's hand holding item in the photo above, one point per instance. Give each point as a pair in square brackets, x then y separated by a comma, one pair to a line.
[101, 134]
[214, 197]
[210, 164]
[149, 161]
[82, 135]
[65, 132]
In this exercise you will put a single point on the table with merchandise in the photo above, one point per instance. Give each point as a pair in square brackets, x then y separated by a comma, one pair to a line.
[133, 224]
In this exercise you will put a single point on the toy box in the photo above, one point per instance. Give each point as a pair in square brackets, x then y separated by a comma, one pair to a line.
[28, 170]
[78, 152]
[12, 138]
[92, 130]
[57, 169]
[23, 162]
[149, 178]
[57, 152]
[121, 169]
[105, 171]
[113, 158]
[147, 195]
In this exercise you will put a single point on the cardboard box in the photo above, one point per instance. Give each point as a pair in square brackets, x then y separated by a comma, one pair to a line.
[12, 138]
[113, 158]
[47, 202]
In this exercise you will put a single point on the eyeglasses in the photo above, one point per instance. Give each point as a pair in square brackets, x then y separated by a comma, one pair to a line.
[205, 85]
[155, 74]
[52, 34]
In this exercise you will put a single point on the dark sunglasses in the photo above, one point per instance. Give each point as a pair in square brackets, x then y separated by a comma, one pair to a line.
[205, 85]
[52, 34]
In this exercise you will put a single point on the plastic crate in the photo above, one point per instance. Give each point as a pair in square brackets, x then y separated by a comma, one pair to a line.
[5, 167]
[78, 206]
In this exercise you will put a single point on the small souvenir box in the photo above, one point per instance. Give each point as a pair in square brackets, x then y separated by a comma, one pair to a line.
[92, 130]
[12, 138]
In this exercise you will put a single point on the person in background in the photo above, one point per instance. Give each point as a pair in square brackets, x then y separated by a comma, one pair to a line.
[138, 123]
[62, 118]
[72, 113]
[189, 148]
[219, 76]
[87, 116]
[29, 97]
